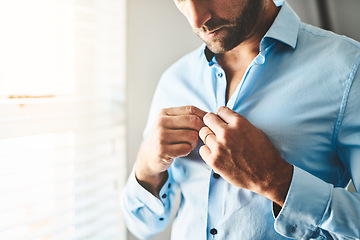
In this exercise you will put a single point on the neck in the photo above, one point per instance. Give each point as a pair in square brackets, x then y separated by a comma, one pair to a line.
[245, 52]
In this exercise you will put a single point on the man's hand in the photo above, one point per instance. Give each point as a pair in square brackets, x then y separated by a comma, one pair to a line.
[175, 134]
[243, 155]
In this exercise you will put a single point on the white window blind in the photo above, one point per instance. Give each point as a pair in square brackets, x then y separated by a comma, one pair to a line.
[62, 116]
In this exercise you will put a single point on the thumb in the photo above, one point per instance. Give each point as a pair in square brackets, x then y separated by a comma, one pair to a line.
[227, 115]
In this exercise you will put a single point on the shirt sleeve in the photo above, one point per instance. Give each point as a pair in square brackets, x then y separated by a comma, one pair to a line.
[316, 209]
[146, 215]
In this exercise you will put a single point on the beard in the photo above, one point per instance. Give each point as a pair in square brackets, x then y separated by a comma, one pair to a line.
[235, 31]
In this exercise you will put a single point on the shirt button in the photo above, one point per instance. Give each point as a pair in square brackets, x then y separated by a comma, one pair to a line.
[293, 229]
[164, 195]
[215, 175]
[169, 186]
[213, 231]
[161, 219]
[220, 75]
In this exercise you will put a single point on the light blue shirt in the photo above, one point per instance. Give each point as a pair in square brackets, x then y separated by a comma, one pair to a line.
[303, 92]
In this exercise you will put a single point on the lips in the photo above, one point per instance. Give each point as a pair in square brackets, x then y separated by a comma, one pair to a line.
[213, 33]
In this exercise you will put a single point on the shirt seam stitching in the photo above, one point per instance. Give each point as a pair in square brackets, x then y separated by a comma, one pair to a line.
[334, 36]
[344, 101]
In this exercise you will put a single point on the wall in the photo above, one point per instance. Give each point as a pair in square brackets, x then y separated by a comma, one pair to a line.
[158, 35]
[344, 15]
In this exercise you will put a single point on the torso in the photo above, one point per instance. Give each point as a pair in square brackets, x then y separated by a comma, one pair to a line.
[233, 80]
[235, 65]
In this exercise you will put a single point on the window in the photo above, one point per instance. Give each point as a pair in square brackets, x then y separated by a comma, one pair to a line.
[62, 119]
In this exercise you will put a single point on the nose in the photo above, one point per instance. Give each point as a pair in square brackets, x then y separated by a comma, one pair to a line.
[197, 13]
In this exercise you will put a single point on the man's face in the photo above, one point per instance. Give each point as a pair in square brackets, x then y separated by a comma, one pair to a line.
[222, 24]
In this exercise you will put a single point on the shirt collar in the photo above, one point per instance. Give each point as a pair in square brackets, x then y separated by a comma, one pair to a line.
[285, 29]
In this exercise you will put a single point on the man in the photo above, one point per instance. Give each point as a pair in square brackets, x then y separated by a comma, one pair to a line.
[275, 104]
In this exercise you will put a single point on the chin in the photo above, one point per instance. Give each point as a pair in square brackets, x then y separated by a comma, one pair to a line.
[216, 48]
[221, 46]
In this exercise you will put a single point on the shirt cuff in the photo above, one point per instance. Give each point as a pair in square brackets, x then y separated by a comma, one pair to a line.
[307, 201]
[146, 198]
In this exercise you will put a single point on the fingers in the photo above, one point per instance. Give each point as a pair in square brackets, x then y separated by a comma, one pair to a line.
[204, 152]
[175, 150]
[222, 119]
[181, 122]
[187, 117]
[175, 134]
[207, 134]
[171, 136]
[214, 122]
[185, 110]
[208, 137]
[228, 115]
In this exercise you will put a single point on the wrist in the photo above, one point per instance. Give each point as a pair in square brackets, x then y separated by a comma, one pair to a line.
[151, 181]
[280, 185]
[153, 184]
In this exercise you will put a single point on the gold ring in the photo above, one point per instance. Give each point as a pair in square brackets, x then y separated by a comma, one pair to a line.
[207, 135]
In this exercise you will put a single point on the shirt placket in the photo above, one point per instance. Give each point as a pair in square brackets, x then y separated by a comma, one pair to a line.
[215, 206]
[221, 84]
[216, 183]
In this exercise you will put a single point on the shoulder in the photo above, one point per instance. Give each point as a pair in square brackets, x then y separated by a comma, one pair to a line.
[330, 41]
[332, 51]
